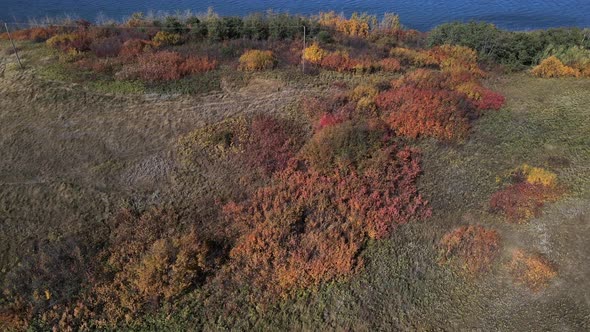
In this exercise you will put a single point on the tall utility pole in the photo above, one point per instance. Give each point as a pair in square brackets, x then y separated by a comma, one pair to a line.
[13, 46]
[304, 47]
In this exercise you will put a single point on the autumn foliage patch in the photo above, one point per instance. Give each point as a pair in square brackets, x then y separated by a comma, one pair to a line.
[308, 226]
[531, 188]
[416, 112]
[534, 271]
[472, 248]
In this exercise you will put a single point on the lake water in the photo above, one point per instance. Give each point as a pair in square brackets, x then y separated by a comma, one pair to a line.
[417, 14]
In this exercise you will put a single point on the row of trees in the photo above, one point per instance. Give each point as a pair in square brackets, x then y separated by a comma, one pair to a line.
[516, 50]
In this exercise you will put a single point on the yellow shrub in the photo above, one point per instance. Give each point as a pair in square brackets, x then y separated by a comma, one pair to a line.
[257, 60]
[163, 38]
[314, 53]
[536, 175]
[553, 67]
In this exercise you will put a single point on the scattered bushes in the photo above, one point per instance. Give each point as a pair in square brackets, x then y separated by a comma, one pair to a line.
[553, 67]
[531, 270]
[257, 60]
[472, 248]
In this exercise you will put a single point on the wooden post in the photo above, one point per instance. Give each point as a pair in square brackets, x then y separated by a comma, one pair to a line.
[13, 46]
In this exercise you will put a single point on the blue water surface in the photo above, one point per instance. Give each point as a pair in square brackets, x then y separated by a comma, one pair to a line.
[417, 14]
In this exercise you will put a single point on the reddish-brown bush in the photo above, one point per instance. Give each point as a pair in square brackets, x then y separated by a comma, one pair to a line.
[308, 226]
[473, 248]
[390, 64]
[194, 65]
[271, 143]
[522, 201]
[425, 112]
[160, 66]
[133, 48]
[338, 62]
[106, 47]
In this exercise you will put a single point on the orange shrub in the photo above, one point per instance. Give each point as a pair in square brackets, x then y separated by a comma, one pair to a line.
[553, 67]
[194, 65]
[531, 270]
[390, 64]
[257, 60]
[416, 112]
[473, 248]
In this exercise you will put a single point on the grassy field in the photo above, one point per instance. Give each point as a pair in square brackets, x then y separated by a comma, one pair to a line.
[72, 154]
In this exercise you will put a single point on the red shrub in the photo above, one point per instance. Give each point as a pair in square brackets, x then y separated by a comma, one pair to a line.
[159, 66]
[474, 247]
[307, 227]
[522, 201]
[194, 65]
[416, 112]
[489, 100]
